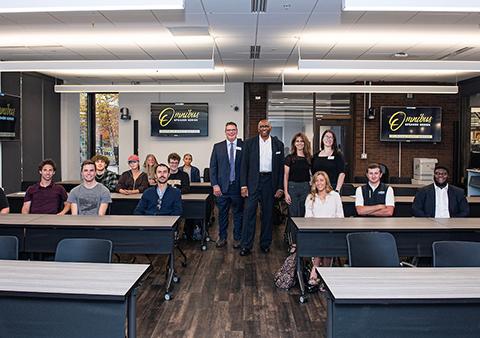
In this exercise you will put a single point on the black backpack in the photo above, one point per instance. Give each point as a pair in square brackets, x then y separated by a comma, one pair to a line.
[285, 277]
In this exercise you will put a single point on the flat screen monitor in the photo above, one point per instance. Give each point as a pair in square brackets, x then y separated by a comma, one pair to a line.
[179, 120]
[411, 124]
[9, 114]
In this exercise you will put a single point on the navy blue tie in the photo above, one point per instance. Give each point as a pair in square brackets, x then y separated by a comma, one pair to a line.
[232, 162]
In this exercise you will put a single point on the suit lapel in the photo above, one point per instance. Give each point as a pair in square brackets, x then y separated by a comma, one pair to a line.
[432, 198]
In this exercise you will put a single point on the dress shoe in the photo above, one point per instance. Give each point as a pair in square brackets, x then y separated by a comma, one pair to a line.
[245, 252]
[221, 243]
[265, 250]
[236, 244]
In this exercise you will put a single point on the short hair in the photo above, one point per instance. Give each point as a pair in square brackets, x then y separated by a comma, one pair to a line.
[103, 158]
[441, 167]
[231, 123]
[173, 156]
[86, 162]
[48, 161]
[374, 166]
[162, 165]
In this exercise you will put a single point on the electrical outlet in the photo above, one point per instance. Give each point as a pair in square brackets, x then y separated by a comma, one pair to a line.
[363, 156]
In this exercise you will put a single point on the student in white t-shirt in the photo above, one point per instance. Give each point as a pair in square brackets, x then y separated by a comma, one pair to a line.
[322, 202]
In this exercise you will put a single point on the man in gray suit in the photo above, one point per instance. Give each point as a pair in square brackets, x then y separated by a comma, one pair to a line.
[261, 180]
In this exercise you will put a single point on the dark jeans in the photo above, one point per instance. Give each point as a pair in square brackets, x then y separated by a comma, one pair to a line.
[230, 199]
[298, 192]
[265, 195]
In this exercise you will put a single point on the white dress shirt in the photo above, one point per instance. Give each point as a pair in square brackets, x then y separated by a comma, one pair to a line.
[265, 163]
[330, 208]
[441, 202]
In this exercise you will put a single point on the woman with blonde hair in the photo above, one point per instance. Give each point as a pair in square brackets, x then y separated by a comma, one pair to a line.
[149, 168]
[322, 202]
[296, 181]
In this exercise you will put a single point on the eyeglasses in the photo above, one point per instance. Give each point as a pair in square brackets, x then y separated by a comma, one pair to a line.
[263, 126]
[230, 130]
[328, 137]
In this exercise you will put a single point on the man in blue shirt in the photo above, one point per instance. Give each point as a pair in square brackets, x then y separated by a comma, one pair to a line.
[161, 199]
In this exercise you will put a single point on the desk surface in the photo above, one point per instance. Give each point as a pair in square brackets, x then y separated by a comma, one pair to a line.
[362, 223]
[91, 279]
[408, 199]
[402, 283]
[394, 185]
[16, 219]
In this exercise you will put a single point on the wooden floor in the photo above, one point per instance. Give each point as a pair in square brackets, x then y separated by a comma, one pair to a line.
[221, 294]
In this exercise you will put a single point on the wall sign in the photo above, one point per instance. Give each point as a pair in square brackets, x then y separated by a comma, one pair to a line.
[411, 124]
[179, 120]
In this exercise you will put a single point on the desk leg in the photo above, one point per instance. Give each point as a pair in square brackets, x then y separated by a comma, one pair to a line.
[171, 274]
[132, 316]
[204, 235]
[303, 297]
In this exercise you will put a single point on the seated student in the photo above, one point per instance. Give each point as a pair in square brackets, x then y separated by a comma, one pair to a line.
[187, 167]
[103, 175]
[4, 206]
[374, 198]
[149, 166]
[46, 197]
[132, 181]
[439, 199]
[322, 202]
[177, 178]
[90, 197]
[161, 199]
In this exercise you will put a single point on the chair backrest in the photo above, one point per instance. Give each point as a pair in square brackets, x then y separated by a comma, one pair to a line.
[8, 247]
[456, 254]
[360, 179]
[400, 180]
[88, 250]
[372, 249]
[206, 175]
[385, 173]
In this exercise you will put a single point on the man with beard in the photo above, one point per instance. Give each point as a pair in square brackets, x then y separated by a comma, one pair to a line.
[161, 199]
[46, 197]
[440, 200]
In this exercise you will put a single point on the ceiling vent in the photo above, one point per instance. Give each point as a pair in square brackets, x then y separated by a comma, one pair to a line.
[254, 52]
[259, 6]
[456, 53]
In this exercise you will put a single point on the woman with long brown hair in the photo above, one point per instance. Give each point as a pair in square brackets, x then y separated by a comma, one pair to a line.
[297, 179]
[322, 202]
[149, 168]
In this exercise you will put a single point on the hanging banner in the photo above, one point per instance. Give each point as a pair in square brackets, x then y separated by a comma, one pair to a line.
[179, 120]
[411, 124]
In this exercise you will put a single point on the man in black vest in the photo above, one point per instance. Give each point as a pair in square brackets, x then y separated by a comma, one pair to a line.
[374, 198]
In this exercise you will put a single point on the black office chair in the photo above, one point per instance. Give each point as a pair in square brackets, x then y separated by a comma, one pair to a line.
[8, 247]
[456, 254]
[88, 250]
[373, 249]
[25, 184]
[347, 189]
[360, 179]
[206, 175]
[385, 173]
[400, 180]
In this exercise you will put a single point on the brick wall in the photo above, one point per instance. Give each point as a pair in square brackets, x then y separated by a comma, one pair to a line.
[256, 108]
[387, 152]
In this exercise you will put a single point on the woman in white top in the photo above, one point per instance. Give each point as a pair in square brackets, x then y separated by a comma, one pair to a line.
[322, 202]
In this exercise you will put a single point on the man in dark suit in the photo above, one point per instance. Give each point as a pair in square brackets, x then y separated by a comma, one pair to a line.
[440, 199]
[225, 179]
[261, 180]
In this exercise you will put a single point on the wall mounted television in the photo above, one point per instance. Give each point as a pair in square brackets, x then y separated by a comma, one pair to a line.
[9, 116]
[179, 119]
[411, 124]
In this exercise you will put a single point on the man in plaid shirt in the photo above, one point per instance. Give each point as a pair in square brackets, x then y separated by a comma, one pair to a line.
[103, 175]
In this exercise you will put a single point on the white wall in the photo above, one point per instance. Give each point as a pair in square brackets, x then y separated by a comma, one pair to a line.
[220, 111]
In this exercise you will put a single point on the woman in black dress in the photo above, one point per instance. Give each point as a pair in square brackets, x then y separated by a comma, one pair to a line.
[330, 160]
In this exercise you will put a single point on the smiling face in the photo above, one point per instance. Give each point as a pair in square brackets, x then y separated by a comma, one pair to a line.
[88, 173]
[328, 139]
[173, 165]
[187, 160]
[100, 165]
[440, 176]
[151, 161]
[133, 165]
[320, 183]
[231, 132]
[47, 172]
[374, 175]
[162, 174]
[299, 143]
[264, 128]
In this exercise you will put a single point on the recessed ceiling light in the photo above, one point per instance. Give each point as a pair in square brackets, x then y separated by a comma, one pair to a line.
[401, 55]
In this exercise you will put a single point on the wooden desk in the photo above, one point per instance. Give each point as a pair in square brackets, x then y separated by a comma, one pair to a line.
[53, 299]
[414, 236]
[201, 188]
[129, 234]
[402, 302]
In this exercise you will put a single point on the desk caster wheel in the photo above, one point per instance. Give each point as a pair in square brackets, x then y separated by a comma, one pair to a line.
[204, 248]
[303, 299]
[176, 279]
[207, 239]
[168, 296]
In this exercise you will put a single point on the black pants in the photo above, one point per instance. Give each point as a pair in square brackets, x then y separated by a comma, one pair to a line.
[265, 195]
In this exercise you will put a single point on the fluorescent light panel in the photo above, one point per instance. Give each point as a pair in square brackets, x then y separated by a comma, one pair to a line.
[68, 65]
[406, 89]
[388, 65]
[33, 6]
[152, 88]
[411, 6]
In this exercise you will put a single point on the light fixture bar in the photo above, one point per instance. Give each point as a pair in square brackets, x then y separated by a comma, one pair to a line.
[411, 6]
[375, 65]
[66, 65]
[33, 6]
[157, 88]
[405, 89]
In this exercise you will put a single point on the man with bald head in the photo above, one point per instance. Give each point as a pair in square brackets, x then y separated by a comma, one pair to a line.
[261, 180]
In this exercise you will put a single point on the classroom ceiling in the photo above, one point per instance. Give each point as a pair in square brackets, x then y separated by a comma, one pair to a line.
[228, 29]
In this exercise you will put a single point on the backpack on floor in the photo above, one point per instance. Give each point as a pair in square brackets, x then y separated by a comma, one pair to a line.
[285, 277]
